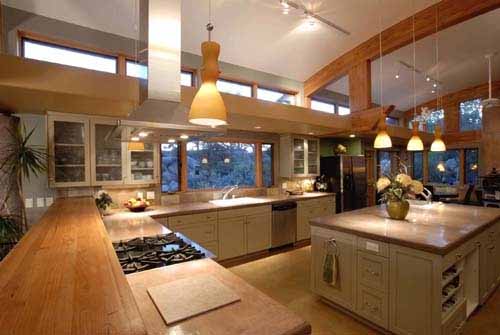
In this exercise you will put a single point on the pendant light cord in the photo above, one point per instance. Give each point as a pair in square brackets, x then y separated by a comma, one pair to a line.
[210, 26]
[438, 102]
[380, 49]
[414, 64]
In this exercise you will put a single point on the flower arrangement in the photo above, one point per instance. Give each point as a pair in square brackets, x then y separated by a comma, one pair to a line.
[103, 200]
[340, 149]
[395, 191]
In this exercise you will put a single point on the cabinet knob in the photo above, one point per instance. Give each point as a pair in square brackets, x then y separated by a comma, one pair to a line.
[459, 256]
[373, 273]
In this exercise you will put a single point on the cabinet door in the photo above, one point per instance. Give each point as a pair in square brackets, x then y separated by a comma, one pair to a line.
[497, 252]
[232, 240]
[143, 161]
[343, 293]
[299, 156]
[107, 154]
[304, 214]
[69, 151]
[312, 157]
[258, 232]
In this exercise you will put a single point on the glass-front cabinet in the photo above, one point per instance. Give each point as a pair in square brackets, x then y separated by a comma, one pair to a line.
[299, 157]
[88, 151]
[68, 151]
[108, 153]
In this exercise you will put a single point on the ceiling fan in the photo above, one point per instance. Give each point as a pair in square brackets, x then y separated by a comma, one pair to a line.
[490, 102]
[312, 16]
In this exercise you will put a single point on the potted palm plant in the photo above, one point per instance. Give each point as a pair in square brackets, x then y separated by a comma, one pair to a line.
[19, 159]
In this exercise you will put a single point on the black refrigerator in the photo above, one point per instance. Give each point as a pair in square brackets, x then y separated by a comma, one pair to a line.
[346, 176]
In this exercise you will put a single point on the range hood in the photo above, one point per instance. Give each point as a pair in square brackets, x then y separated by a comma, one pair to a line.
[160, 49]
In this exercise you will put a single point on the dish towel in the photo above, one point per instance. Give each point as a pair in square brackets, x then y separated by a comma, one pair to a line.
[330, 265]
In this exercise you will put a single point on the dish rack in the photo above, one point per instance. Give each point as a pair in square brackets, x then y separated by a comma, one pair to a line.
[452, 288]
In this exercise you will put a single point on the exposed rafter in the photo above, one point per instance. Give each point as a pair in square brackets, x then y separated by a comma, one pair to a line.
[450, 12]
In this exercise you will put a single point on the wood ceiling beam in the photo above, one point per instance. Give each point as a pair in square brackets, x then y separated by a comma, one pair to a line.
[450, 12]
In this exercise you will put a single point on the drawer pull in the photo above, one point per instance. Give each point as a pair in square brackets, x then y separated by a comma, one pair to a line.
[478, 243]
[491, 247]
[373, 273]
[459, 256]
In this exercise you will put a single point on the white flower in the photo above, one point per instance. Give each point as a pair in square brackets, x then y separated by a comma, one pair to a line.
[383, 183]
[417, 187]
[404, 179]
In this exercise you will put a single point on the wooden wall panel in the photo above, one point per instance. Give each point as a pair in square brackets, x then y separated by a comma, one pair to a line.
[450, 12]
[490, 141]
[360, 87]
[2, 31]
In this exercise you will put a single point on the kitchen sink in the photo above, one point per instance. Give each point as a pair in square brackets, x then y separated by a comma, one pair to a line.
[237, 201]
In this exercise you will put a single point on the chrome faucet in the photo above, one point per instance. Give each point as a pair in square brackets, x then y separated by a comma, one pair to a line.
[427, 195]
[229, 189]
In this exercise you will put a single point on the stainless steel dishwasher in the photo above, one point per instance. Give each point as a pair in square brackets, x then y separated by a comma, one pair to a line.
[284, 226]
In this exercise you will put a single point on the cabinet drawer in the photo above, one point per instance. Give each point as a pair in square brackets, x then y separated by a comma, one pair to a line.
[373, 247]
[198, 232]
[245, 211]
[454, 323]
[373, 305]
[192, 218]
[308, 203]
[373, 271]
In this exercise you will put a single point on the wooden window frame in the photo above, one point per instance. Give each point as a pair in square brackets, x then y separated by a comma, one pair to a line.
[183, 173]
[273, 167]
[193, 72]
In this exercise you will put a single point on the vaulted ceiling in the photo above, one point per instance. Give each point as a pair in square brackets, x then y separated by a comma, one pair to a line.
[252, 33]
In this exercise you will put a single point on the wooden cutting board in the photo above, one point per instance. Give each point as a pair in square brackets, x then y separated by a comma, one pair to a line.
[184, 298]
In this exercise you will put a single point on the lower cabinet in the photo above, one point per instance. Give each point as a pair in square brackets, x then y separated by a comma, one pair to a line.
[490, 261]
[343, 292]
[244, 231]
[310, 209]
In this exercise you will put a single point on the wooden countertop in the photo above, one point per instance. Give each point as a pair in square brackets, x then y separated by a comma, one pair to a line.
[63, 277]
[438, 228]
[197, 207]
[256, 313]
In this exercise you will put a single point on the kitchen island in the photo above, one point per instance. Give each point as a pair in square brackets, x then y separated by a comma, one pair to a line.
[64, 277]
[424, 275]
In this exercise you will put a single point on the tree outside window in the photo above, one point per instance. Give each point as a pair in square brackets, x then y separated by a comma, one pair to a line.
[444, 167]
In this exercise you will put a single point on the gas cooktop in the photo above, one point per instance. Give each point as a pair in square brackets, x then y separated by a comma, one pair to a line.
[144, 253]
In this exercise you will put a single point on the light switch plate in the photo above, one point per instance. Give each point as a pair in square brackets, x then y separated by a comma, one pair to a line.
[49, 201]
[150, 195]
[28, 202]
[40, 202]
[140, 195]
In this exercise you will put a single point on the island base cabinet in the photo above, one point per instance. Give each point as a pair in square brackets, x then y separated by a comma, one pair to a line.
[343, 292]
[373, 305]
[415, 292]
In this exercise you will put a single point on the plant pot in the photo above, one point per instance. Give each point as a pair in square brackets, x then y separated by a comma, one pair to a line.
[397, 210]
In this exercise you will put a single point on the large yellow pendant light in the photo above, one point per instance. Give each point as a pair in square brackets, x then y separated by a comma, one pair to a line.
[382, 140]
[415, 143]
[207, 108]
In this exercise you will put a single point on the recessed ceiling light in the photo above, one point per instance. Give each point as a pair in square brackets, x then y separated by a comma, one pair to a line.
[257, 127]
[143, 134]
[135, 138]
[171, 140]
[352, 136]
[311, 133]
[184, 136]
[427, 78]
[397, 76]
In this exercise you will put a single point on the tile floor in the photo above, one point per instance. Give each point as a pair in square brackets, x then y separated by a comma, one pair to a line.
[285, 277]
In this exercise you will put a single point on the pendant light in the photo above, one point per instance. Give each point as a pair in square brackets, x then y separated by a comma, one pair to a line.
[490, 102]
[415, 143]
[382, 140]
[207, 108]
[438, 143]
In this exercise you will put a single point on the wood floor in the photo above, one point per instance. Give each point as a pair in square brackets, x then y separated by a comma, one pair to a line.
[285, 277]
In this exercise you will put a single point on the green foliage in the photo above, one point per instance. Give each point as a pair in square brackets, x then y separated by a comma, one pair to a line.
[9, 229]
[394, 192]
[103, 200]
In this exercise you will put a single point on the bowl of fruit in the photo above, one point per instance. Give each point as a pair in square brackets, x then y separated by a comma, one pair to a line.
[137, 205]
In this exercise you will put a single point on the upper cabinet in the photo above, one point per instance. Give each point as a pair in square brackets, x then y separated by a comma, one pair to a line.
[299, 157]
[88, 151]
[69, 152]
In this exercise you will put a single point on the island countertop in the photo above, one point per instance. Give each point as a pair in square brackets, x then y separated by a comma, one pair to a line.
[437, 228]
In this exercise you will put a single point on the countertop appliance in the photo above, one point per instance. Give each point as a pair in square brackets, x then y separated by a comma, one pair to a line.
[346, 176]
[144, 253]
[284, 225]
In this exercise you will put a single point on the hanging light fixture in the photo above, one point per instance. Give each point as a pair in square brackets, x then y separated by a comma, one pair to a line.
[415, 143]
[382, 140]
[438, 143]
[490, 102]
[207, 108]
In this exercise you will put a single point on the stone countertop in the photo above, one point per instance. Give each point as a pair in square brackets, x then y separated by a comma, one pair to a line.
[256, 313]
[437, 228]
[197, 207]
